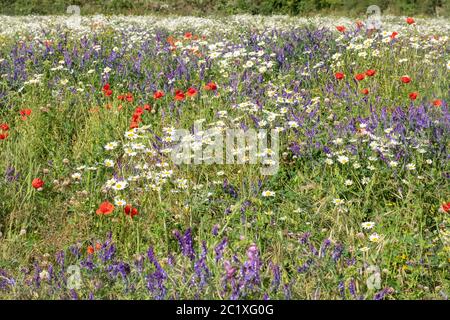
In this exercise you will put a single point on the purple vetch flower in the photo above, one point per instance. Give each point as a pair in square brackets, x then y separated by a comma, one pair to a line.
[276, 277]
[75, 250]
[230, 189]
[341, 288]
[186, 243]
[326, 243]
[139, 263]
[88, 263]
[155, 280]
[313, 249]
[382, 293]
[304, 238]
[215, 230]
[11, 174]
[74, 294]
[201, 269]
[220, 248]
[305, 266]
[337, 252]
[6, 282]
[352, 288]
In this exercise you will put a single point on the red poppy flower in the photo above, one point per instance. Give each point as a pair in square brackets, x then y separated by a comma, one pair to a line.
[158, 94]
[105, 208]
[37, 183]
[121, 97]
[188, 35]
[138, 110]
[405, 79]
[365, 91]
[147, 107]
[370, 73]
[3, 136]
[340, 28]
[98, 246]
[134, 124]
[108, 93]
[410, 20]
[445, 207]
[106, 87]
[25, 113]
[179, 95]
[360, 76]
[191, 92]
[437, 102]
[130, 211]
[211, 86]
[413, 95]
[90, 250]
[4, 126]
[339, 75]
[129, 97]
[394, 34]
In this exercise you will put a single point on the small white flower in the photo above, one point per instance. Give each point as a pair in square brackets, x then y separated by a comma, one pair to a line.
[343, 159]
[338, 202]
[76, 176]
[329, 161]
[131, 135]
[268, 193]
[356, 165]
[120, 185]
[108, 163]
[111, 145]
[411, 166]
[120, 202]
[368, 225]
[393, 164]
[429, 161]
[374, 237]
[348, 182]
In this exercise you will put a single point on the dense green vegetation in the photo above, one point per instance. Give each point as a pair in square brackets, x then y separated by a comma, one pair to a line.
[199, 7]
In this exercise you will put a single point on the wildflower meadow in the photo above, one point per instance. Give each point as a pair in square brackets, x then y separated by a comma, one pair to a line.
[235, 157]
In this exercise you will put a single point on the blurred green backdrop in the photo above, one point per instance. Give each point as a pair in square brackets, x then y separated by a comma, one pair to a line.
[202, 7]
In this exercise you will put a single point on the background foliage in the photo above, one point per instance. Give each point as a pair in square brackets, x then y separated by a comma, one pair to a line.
[199, 7]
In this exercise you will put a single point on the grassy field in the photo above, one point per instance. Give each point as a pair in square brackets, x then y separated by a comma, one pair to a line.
[92, 206]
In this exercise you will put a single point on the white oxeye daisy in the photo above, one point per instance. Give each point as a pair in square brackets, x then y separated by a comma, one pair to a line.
[131, 135]
[393, 164]
[348, 182]
[268, 193]
[166, 173]
[338, 202]
[111, 145]
[108, 163]
[374, 237]
[76, 176]
[343, 159]
[368, 225]
[120, 185]
[109, 183]
[411, 166]
[120, 202]
[356, 165]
